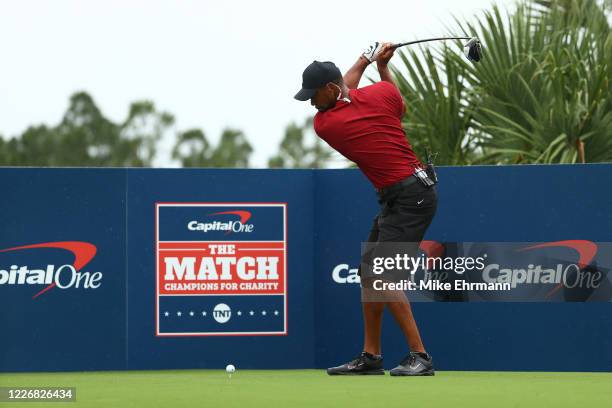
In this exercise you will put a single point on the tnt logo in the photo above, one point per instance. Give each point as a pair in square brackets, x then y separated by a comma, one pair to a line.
[222, 313]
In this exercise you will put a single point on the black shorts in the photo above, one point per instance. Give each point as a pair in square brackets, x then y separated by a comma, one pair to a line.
[404, 216]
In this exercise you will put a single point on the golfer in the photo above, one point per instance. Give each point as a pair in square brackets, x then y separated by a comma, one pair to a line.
[364, 125]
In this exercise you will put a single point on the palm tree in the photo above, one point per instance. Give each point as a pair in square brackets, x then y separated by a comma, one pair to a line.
[436, 116]
[541, 94]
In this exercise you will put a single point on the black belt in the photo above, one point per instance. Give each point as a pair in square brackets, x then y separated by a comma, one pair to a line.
[408, 181]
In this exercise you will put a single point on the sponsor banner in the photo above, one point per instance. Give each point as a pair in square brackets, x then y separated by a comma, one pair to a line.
[221, 269]
[559, 271]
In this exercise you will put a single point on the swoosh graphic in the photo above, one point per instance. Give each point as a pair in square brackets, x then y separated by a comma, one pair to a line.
[83, 253]
[586, 249]
[586, 252]
[244, 215]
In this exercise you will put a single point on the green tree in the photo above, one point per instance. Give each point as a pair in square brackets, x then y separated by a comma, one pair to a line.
[233, 150]
[541, 94]
[192, 149]
[8, 151]
[85, 137]
[143, 129]
[295, 152]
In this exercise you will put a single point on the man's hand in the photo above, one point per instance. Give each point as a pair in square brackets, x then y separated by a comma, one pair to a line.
[379, 52]
[372, 52]
[385, 54]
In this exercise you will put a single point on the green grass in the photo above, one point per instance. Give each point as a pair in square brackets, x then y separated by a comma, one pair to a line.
[313, 388]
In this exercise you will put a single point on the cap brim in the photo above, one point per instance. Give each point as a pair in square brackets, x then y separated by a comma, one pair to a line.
[305, 94]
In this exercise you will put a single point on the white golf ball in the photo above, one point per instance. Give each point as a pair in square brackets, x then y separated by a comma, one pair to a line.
[230, 368]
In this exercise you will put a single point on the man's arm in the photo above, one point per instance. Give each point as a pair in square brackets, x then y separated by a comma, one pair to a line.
[385, 74]
[382, 63]
[353, 75]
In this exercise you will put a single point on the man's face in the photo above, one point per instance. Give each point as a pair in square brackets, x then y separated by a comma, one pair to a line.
[326, 97]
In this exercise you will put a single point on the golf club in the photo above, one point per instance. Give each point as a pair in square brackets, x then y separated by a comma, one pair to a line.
[472, 49]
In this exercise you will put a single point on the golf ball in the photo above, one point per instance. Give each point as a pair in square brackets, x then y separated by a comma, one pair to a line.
[230, 368]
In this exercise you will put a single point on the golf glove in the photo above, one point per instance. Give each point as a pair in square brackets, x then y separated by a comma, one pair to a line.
[373, 51]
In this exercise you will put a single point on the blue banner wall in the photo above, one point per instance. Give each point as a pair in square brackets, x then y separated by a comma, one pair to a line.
[63, 329]
[494, 204]
[96, 231]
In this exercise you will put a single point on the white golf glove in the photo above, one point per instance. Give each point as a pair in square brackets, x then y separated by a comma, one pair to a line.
[373, 51]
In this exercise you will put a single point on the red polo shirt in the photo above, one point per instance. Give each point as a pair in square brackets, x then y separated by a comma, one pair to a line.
[368, 131]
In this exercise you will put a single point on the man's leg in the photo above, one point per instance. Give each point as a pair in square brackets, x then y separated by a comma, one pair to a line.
[369, 361]
[372, 325]
[402, 313]
[372, 311]
[418, 361]
[414, 210]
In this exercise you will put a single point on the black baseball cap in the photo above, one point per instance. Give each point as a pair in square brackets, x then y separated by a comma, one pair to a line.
[315, 76]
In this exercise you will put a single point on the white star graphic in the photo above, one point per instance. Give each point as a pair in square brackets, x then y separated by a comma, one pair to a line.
[190, 313]
[179, 314]
[251, 313]
[276, 313]
[263, 313]
[203, 313]
[239, 313]
[166, 314]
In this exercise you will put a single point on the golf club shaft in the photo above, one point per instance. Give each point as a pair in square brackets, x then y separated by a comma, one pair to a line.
[429, 39]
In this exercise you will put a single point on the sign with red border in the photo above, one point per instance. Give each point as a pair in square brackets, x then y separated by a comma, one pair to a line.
[221, 269]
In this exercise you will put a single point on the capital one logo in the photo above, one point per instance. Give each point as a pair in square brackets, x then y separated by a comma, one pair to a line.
[230, 226]
[568, 275]
[49, 276]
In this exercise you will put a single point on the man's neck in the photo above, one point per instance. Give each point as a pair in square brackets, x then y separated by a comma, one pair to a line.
[345, 93]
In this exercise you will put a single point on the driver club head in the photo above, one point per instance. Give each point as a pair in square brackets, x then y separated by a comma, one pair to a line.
[473, 50]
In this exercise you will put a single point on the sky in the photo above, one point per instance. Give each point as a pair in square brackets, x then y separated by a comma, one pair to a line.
[212, 64]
